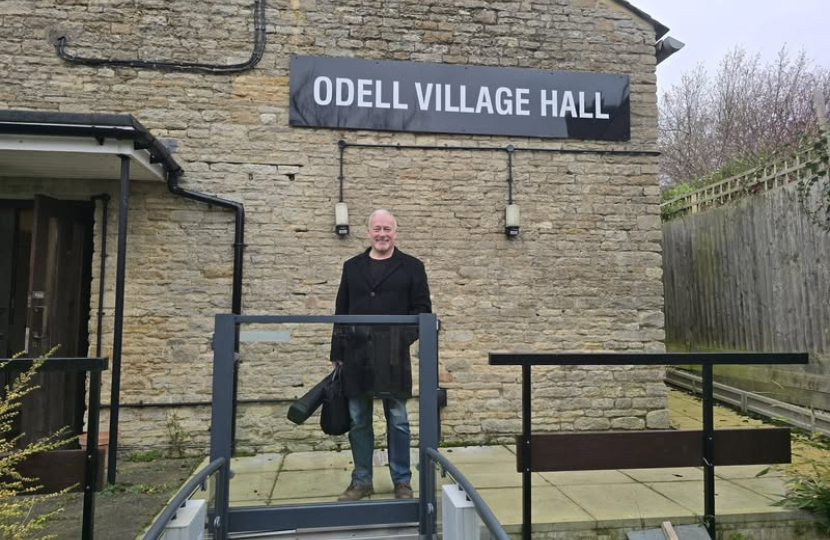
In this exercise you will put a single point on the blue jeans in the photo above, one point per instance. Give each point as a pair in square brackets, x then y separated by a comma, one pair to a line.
[362, 439]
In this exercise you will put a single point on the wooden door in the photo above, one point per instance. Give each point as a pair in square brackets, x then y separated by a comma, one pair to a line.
[58, 312]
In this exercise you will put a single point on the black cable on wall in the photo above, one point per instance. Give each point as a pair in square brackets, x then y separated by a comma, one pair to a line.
[256, 55]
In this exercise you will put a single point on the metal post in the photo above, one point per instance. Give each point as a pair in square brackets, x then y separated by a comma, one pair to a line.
[105, 201]
[120, 274]
[526, 516]
[91, 464]
[708, 451]
[428, 421]
[220, 419]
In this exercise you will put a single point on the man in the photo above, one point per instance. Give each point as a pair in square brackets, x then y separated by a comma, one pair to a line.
[375, 359]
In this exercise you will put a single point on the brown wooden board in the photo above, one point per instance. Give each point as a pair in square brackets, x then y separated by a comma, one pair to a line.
[60, 469]
[604, 450]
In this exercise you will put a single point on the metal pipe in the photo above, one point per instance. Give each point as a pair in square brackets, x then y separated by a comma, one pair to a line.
[238, 252]
[504, 149]
[341, 144]
[105, 199]
[118, 325]
[510, 149]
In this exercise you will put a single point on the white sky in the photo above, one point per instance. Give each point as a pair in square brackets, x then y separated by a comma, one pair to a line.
[710, 28]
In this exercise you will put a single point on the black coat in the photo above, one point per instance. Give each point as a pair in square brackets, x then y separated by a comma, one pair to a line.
[376, 358]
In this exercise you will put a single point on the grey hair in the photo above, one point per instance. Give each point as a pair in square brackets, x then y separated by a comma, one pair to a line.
[384, 211]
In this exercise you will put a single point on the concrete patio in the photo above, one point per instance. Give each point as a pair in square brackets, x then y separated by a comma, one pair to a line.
[591, 504]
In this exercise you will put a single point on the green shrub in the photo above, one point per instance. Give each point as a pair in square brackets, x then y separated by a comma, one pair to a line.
[17, 520]
[808, 485]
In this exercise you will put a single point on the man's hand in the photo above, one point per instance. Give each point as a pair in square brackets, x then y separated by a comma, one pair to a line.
[336, 364]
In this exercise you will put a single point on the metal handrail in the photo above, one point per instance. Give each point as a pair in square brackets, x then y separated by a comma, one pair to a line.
[160, 524]
[481, 507]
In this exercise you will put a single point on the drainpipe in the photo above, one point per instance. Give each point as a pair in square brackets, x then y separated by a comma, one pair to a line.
[105, 199]
[238, 251]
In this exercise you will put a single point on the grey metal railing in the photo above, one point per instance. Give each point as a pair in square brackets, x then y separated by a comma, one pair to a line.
[198, 481]
[812, 420]
[487, 517]
[246, 519]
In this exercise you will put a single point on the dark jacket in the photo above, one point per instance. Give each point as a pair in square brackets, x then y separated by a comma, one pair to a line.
[376, 358]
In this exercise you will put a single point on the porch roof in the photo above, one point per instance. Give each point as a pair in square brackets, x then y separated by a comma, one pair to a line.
[44, 144]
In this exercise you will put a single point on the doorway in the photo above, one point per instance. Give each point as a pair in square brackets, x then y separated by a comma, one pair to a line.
[45, 274]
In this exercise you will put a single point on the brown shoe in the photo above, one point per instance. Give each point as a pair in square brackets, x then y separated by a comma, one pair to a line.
[403, 490]
[355, 492]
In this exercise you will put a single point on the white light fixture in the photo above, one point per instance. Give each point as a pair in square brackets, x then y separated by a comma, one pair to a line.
[341, 219]
[511, 220]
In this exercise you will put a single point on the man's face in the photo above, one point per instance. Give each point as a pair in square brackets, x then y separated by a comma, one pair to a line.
[382, 233]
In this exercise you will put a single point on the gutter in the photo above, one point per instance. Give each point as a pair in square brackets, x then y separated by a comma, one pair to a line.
[238, 252]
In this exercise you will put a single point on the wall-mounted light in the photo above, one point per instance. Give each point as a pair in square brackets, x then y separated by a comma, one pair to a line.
[511, 220]
[511, 213]
[341, 211]
[667, 47]
[341, 218]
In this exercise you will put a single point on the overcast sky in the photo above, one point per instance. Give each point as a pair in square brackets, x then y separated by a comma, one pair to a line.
[710, 28]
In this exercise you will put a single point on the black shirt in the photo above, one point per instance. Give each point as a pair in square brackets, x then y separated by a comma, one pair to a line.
[378, 268]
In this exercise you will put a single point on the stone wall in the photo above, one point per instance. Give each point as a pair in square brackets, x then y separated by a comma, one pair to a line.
[584, 274]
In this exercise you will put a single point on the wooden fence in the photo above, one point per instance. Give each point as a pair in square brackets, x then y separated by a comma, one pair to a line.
[752, 275]
[768, 177]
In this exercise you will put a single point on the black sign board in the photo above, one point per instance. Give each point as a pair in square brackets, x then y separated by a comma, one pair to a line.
[348, 93]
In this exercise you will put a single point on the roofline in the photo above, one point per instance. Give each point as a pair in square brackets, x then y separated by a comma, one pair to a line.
[660, 29]
[118, 126]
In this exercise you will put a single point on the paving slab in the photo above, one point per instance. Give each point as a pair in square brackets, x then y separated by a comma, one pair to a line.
[305, 461]
[570, 478]
[479, 454]
[493, 475]
[252, 487]
[307, 484]
[729, 498]
[772, 487]
[744, 471]
[665, 475]
[263, 463]
[614, 502]
[549, 505]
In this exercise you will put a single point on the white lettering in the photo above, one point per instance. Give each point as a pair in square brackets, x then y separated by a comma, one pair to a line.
[521, 102]
[448, 106]
[345, 86]
[598, 107]
[438, 88]
[582, 112]
[568, 105]
[364, 91]
[545, 102]
[504, 101]
[423, 98]
[396, 101]
[463, 106]
[319, 82]
[379, 104]
[484, 100]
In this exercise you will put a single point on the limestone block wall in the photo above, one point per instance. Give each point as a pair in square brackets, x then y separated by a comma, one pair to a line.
[584, 274]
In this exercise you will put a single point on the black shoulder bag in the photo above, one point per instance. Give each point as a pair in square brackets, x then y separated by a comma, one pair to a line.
[335, 419]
